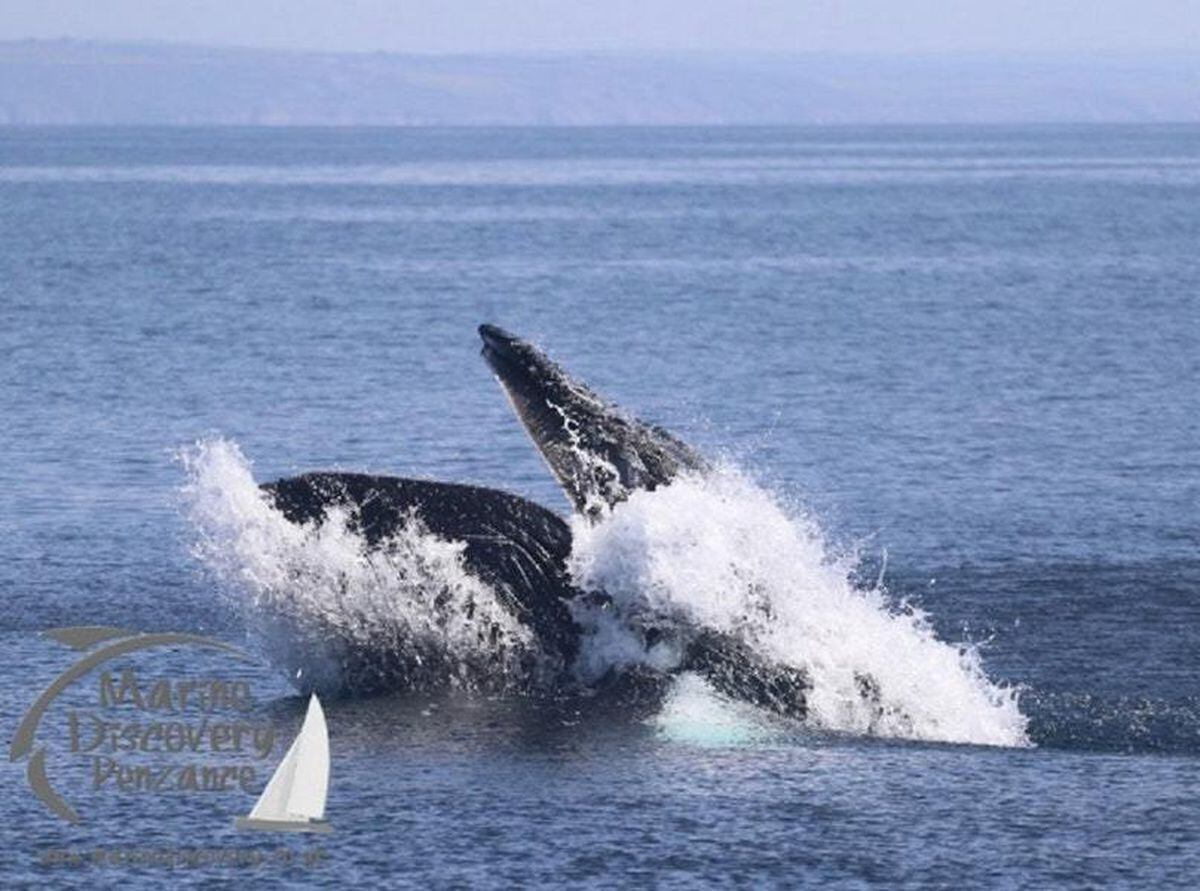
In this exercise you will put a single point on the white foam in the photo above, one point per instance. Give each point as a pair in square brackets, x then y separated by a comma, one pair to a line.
[694, 713]
[322, 601]
[720, 551]
[716, 551]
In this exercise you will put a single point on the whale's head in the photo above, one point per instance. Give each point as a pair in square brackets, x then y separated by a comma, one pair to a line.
[598, 453]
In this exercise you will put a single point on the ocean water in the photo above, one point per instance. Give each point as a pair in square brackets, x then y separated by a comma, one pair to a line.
[952, 376]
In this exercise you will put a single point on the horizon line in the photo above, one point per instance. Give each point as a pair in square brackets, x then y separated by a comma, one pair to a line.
[727, 53]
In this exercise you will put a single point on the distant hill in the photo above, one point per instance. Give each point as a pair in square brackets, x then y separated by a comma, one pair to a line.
[70, 82]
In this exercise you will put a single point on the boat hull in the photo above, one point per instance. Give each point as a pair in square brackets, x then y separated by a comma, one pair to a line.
[283, 825]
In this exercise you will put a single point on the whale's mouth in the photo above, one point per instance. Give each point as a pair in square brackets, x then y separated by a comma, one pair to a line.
[496, 346]
[538, 391]
[580, 437]
[526, 375]
[522, 369]
[497, 342]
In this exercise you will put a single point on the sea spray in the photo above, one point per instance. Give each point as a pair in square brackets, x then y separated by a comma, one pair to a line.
[719, 551]
[694, 713]
[336, 614]
[716, 552]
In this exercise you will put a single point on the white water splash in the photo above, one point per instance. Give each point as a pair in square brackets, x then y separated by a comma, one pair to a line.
[721, 552]
[336, 614]
[717, 551]
[694, 713]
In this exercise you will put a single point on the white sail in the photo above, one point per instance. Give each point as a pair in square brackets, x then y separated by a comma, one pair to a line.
[272, 804]
[295, 795]
[310, 777]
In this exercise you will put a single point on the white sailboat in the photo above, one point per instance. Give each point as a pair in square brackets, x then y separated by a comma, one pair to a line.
[294, 800]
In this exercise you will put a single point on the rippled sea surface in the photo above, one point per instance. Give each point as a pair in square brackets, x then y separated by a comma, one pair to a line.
[972, 355]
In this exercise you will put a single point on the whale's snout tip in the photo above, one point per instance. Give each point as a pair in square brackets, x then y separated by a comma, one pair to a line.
[493, 332]
[496, 338]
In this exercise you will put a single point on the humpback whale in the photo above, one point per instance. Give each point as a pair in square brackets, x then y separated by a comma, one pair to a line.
[599, 454]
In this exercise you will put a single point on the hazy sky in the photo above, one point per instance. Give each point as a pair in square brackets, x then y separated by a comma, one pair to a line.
[513, 25]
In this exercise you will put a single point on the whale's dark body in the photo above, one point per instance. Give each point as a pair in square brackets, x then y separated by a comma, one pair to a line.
[517, 547]
[520, 549]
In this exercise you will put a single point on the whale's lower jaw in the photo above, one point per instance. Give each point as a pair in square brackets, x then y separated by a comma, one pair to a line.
[597, 452]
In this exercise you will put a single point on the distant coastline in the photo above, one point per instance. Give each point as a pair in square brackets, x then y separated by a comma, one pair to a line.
[67, 82]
